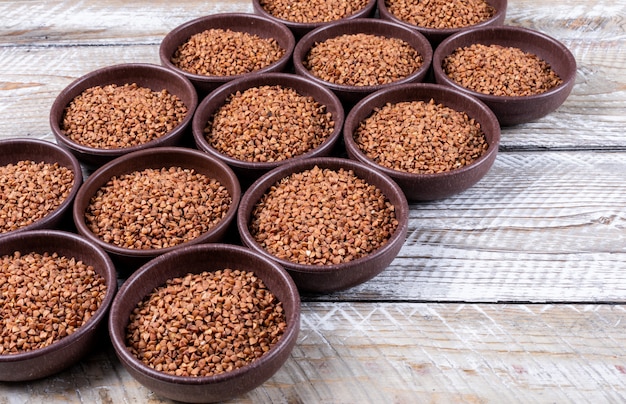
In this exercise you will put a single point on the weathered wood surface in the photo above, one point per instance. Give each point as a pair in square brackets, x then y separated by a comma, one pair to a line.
[513, 291]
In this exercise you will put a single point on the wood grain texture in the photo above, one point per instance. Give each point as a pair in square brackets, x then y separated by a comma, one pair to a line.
[407, 353]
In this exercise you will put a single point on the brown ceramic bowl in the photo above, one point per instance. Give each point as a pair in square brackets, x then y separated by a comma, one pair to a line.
[22, 149]
[514, 110]
[435, 35]
[299, 29]
[240, 22]
[329, 278]
[197, 259]
[248, 170]
[350, 95]
[129, 259]
[144, 75]
[424, 187]
[67, 351]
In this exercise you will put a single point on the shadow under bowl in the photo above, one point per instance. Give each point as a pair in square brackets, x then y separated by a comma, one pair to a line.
[335, 277]
[15, 150]
[65, 352]
[129, 259]
[249, 171]
[348, 94]
[251, 24]
[299, 29]
[436, 35]
[197, 259]
[512, 110]
[154, 77]
[426, 187]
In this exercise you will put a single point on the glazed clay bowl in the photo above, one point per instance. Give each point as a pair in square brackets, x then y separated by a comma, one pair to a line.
[329, 277]
[425, 187]
[128, 259]
[349, 94]
[15, 150]
[436, 35]
[512, 110]
[238, 22]
[60, 355]
[248, 171]
[154, 77]
[299, 29]
[197, 259]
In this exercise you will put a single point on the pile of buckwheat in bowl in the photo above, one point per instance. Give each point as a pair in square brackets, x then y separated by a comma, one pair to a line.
[438, 19]
[357, 57]
[434, 141]
[259, 122]
[206, 322]
[332, 223]
[55, 291]
[519, 73]
[302, 16]
[38, 183]
[150, 202]
[122, 108]
[215, 49]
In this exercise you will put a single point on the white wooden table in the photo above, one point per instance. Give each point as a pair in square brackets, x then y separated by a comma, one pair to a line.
[513, 291]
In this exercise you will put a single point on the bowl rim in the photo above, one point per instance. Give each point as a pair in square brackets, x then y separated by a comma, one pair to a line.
[499, 14]
[257, 80]
[505, 32]
[291, 332]
[77, 85]
[206, 22]
[97, 179]
[348, 27]
[262, 184]
[302, 26]
[99, 315]
[419, 89]
[69, 200]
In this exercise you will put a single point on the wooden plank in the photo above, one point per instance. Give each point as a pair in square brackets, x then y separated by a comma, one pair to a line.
[539, 227]
[402, 353]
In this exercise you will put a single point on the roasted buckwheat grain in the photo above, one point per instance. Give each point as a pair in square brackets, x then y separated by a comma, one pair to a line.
[44, 298]
[206, 324]
[362, 60]
[322, 217]
[268, 123]
[156, 208]
[441, 14]
[312, 11]
[500, 70]
[420, 137]
[113, 116]
[29, 191]
[218, 52]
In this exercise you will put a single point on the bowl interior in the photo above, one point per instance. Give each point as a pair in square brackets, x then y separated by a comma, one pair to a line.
[253, 24]
[22, 149]
[252, 170]
[157, 158]
[428, 186]
[352, 94]
[149, 76]
[197, 259]
[68, 350]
